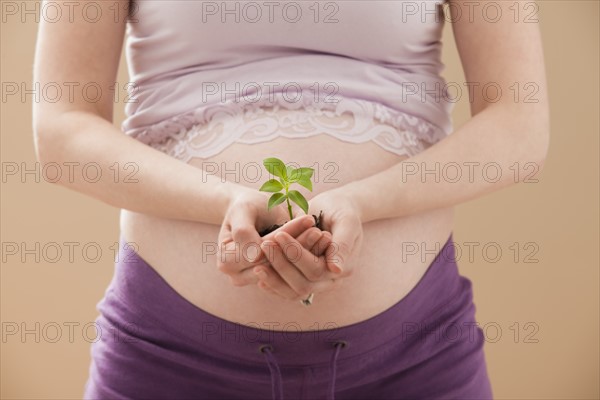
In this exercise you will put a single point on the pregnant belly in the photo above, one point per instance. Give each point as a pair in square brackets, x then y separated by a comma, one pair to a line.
[384, 272]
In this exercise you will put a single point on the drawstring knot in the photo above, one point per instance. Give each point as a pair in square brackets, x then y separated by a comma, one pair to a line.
[277, 381]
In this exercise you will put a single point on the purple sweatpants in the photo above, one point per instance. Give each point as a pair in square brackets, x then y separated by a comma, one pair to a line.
[154, 344]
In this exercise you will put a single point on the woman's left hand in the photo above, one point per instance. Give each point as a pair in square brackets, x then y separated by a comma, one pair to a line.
[341, 217]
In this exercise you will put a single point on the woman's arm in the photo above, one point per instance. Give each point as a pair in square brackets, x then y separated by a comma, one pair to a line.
[503, 135]
[73, 130]
[510, 135]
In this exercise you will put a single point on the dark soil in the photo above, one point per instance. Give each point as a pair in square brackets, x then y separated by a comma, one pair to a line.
[318, 224]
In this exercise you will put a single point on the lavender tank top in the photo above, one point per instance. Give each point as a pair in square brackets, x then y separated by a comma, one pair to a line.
[206, 74]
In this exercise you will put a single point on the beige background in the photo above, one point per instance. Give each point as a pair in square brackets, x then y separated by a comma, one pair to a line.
[558, 295]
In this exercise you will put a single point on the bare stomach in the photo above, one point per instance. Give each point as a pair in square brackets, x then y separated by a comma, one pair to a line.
[181, 251]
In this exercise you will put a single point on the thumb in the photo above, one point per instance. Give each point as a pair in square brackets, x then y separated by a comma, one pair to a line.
[338, 252]
[244, 232]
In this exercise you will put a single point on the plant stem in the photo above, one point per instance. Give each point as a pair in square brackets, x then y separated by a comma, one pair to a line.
[287, 199]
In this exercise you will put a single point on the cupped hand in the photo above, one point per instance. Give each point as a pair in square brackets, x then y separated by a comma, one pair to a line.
[297, 266]
[239, 239]
[296, 272]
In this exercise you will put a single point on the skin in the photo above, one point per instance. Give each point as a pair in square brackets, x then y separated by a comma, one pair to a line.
[504, 132]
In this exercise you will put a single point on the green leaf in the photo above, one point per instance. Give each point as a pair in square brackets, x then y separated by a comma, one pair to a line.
[300, 173]
[276, 199]
[293, 175]
[306, 182]
[306, 172]
[297, 198]
[290, 171]
[272, 185]
[276, 167]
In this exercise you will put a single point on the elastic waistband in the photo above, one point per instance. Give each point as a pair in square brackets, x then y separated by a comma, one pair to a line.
[144, 297]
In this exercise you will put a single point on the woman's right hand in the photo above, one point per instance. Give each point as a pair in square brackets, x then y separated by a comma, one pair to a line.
[239, 241]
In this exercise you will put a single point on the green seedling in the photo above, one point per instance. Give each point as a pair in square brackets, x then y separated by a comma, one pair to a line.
[281, 188]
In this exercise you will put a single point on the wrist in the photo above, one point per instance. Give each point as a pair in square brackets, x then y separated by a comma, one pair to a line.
[227, 193]
[356, 196]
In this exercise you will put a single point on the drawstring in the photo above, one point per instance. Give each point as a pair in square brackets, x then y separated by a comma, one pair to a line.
[276, 384]
[338, 346]
[277, 381]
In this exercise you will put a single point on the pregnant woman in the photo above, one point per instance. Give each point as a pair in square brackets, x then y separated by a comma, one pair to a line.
[372, 306]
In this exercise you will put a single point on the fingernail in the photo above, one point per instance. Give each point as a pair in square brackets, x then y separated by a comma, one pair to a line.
[308, 222]
[337, 269]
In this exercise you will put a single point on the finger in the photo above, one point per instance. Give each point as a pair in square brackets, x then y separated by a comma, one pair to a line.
[343, 240]
[272, 281]
[225, 233]
[244, 233]
[289, 273]
[321, 246]
[311, 267]
[262, 285]
[228, 257]
[294, 227]
[309, 238]
[275, 282]
[289, 280]
[245, 277]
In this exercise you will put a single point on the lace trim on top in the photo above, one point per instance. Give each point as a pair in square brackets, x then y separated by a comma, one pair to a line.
[206, 131]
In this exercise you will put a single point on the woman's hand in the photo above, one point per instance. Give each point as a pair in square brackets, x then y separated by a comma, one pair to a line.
[239, 241]
[297, 266]
[341, 217]
[296, 272]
